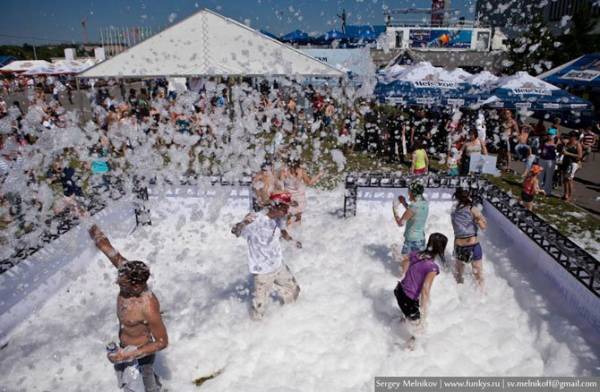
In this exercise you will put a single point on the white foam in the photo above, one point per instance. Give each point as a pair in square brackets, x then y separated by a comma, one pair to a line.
[341, 333]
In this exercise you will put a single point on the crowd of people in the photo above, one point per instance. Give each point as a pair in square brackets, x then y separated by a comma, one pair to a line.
[61, 160]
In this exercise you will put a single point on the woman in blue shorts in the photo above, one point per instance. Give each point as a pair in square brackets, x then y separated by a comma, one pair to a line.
[414, 217]
[466, 221]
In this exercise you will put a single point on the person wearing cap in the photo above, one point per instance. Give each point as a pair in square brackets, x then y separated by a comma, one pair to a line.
[414, 217]
[572, 154]
[142, 332]
[531, 187]
[262, 231]
[466, 222]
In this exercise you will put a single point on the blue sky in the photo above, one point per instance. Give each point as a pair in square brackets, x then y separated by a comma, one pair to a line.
[60, 20]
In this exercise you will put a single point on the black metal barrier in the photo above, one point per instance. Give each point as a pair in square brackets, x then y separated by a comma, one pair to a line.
[575, 260]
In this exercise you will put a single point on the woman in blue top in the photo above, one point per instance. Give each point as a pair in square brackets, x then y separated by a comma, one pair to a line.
[466, 221]
[415, 217]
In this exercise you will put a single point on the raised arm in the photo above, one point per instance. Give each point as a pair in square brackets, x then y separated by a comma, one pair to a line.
[408, 213]
[106, 247]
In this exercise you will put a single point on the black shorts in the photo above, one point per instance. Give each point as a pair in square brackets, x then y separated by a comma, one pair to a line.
[526, 197]
[409, 307]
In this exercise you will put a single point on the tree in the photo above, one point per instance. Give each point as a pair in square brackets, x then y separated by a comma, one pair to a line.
[533, 50]
[578, 40]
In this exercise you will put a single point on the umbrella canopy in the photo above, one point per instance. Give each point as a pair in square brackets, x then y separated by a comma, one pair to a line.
[482, 79]
[269, 34]
[525, 92]
[424, 84]
[4, 60]
[364, 32]
[581, 72]
[296, 37]
[24, 65]
[331, 36]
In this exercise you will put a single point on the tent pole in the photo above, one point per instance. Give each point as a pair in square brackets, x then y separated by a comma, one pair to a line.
[79, 99]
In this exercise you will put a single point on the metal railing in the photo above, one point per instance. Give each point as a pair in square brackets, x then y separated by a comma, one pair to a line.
[575, 260]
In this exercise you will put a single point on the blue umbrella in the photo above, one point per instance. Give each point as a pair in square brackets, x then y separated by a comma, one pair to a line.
[582, 72]
[525, 92]
[296, 36]
[434, 93]
[268, 34]
[331, 36]
[364, 32]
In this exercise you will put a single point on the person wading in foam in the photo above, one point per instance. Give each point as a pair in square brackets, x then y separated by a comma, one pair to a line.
[413, 291]
[466, 222]
[262, 230]
[142, 332]
[414, 217]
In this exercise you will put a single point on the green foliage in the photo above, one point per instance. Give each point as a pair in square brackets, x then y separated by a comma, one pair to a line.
[539, 50]
[531, 51]
[42, 52]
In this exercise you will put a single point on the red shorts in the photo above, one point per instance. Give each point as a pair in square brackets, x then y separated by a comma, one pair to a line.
[419, 172]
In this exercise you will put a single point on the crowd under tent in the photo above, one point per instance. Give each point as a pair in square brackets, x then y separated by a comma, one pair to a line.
[208, 44]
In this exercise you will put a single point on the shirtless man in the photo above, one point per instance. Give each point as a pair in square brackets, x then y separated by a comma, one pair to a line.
[263, 184]
[142, 332]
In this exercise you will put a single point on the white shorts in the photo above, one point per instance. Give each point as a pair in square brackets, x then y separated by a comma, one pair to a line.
[571, 171]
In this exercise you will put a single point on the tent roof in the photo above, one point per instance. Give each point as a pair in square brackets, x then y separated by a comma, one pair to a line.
[583, 71]
[24, 65]
[208, 44]
[522, 80]
[367, 32]
[5, 60]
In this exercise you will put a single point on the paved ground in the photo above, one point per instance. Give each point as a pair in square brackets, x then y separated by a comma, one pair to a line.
[586, 193]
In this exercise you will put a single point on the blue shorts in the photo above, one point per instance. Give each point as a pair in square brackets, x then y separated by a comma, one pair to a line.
[468, 253]
[413, 246]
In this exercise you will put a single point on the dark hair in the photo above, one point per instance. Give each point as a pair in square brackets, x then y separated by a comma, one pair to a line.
[473, 132]
[137, 272]
[464, 197]
[436, 246]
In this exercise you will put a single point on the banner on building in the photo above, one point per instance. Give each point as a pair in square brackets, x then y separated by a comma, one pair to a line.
[440, 38]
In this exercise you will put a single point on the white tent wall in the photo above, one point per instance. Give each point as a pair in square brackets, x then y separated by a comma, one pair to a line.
[578, 298]
[208, 44]
[27, 286]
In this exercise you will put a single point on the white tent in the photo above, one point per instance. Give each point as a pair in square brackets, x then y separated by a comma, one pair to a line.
[25, 65]
[208, 44]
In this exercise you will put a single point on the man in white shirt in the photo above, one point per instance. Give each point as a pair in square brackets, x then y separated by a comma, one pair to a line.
[262, 230]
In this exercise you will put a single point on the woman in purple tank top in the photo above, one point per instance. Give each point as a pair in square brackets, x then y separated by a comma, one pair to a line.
[419, 269]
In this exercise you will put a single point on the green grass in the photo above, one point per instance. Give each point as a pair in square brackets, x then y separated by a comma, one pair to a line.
[567, 218]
